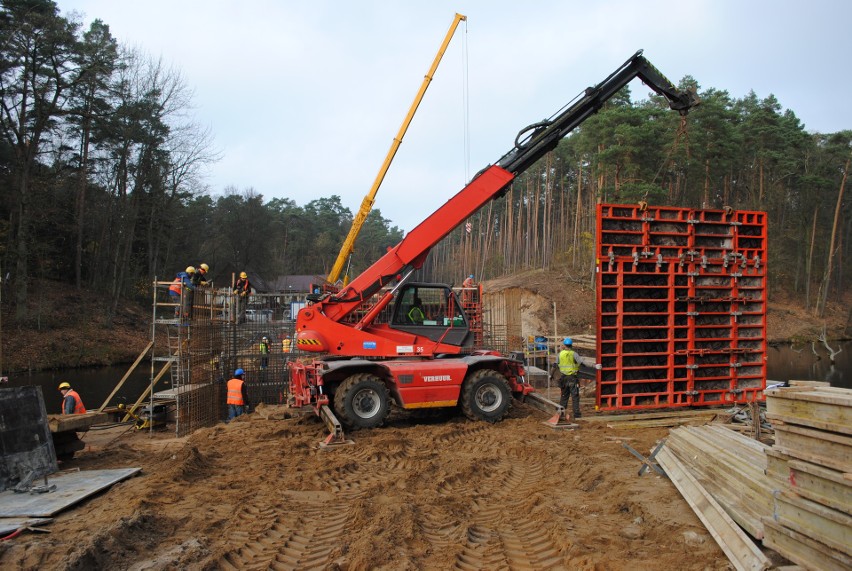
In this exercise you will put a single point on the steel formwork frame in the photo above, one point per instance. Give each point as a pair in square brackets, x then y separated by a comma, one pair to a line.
[681, 297]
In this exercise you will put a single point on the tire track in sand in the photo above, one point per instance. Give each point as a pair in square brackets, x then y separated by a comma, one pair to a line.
[302, 538]
[303, 534]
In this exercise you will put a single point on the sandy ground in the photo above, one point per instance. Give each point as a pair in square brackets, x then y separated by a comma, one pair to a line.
[437, 493]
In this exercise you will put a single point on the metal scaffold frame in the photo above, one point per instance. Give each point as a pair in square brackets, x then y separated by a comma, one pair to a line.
[204, 335]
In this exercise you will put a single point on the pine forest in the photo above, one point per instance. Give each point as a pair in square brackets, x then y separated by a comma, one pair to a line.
[103, 168]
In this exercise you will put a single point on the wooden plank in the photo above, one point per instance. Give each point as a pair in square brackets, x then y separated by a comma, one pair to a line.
[809, 383]
[822, 485]
[826, 525]
[724, 431]
[777, 465]
[817, 408]
[740, 549]
[652, 415]
[743, 490]
[803, 550]
[817, 446]
[75, 422]
[660, 422]
[126, 375]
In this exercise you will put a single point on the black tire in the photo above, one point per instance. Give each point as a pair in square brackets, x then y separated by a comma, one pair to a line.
[362, 401]
[486, 396]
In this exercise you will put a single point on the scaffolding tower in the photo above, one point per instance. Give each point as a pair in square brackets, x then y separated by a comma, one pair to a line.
[201, 337]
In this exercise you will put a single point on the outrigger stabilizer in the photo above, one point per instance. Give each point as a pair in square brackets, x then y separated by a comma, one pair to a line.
[559, 417]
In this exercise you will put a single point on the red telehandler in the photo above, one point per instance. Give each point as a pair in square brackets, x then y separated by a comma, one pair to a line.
[387, 339]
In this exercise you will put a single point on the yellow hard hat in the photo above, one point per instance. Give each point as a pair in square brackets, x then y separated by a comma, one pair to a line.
[243, 275]
[190, 270]
[205, 267]
[64, 386]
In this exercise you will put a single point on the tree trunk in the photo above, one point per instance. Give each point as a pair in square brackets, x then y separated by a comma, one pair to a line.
[827, 278]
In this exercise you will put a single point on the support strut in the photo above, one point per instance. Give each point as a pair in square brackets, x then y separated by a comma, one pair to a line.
[336, 436]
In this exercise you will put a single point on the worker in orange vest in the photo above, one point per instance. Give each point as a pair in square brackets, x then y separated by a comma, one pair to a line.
[71, 401]
[238, 402]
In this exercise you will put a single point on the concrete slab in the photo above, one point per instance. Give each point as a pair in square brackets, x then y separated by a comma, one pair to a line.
[71, 488]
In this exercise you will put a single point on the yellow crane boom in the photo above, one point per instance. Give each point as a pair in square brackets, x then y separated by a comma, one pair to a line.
[367, 204]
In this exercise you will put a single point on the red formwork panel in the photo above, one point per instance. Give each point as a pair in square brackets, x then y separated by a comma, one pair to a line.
[681, 315]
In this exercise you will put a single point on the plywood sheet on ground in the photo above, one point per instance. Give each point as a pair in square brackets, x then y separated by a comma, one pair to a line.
[12, 524]
[71, 488]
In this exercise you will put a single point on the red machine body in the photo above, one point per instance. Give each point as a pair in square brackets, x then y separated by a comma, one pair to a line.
[377, 347]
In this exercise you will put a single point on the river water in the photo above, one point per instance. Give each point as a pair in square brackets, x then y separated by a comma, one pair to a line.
[94, 385]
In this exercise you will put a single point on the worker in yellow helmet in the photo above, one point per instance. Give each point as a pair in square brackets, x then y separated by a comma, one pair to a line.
[242, 290]
[200, 275]
[71, 401]
[181, 290]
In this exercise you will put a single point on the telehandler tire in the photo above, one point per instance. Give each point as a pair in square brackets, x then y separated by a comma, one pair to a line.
[362, 401]
[486, 396]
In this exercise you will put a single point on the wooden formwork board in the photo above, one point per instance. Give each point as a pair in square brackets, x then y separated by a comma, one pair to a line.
[802, 549]
[818, 446]
[821, 523]
[739, 548]
[825, 486]
[731, 467]
[825, 408]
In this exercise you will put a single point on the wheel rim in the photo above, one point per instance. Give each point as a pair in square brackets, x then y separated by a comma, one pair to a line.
[366, 403]
[488, 398]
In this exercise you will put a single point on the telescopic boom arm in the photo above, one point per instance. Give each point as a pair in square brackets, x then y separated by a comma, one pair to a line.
[532, 143]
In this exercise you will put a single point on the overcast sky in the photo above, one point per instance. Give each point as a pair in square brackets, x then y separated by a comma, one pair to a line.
[304, 98]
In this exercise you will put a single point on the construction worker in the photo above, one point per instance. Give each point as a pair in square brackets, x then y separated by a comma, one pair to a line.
[200, 275]
[468, 292]
[71, 401]
[181, 292]
[415, 314]
[568, 366]
[242, 289]
[237, 400]
[264, 353]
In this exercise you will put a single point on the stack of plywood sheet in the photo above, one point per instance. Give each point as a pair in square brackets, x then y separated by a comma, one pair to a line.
[720, 473]
[811, 460]
[731, 467]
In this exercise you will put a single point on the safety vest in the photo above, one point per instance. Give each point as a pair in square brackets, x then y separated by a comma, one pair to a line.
[235, 392]
[568, 364]
[285, 344]
[264, 347]
[174, 289]
[416, 315]
[78, 402]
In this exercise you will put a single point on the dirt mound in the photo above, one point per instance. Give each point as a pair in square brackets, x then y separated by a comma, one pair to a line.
[260, 493]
